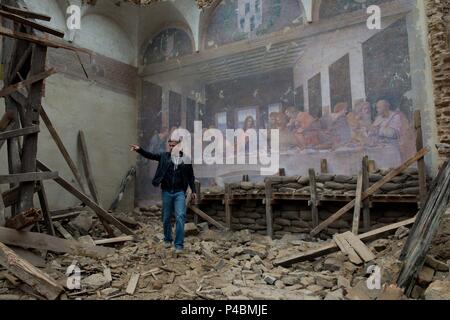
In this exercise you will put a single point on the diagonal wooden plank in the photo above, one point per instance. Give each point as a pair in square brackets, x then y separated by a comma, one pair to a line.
[23, 84]
[374, 188]
[40, 40]
[19, 132]
[29, 274]
[360, 248]
[87, 166]
[346, 248]
[43, 241]
[30, 23]
[63, 231]
[5, 121]
[2, 210]
[25, 13]
[206, 217]
[332, 246]
[86, 200]
[61, 147]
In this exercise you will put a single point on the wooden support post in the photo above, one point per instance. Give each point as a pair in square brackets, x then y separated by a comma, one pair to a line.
[62, 148]
[366, 185]
[324, 166]
[268, 199]
[282, 172]
[228, 215]
[313, 201]
[29, 274]
[372, 166]
[87, 166]
[2, 210]
[357, 209]
[374, 188]
[102, 214]
[29, 150]
[421, 162]
[45, 209]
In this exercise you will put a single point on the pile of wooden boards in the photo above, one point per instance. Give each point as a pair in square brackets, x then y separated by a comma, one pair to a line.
[354, 248]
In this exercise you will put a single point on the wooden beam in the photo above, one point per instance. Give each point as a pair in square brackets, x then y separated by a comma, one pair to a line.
[206, 217]
[324, 166]
[359, 247]
[114, 240]
[61, 147]
[421, 163]
[424, 230]
[347, 249]
[40, 40]
[23, 84]
[2, 210]
[102, 214]
[19, 132]
[6, 119]
[22, 63]
[66, 215]
[25, 271]
[357, 209]
[132, 284]
[63, 231]
[32, 24]
[268, 200]
[314, 199]
[87, 166]
[25, 13]
[366, 185]
[42, 241]
[374, 188]
[55, 213]
[332, 246]
[45, 209]
[27, 177]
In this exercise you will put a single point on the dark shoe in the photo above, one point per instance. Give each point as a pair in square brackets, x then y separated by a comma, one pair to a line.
[167, 245]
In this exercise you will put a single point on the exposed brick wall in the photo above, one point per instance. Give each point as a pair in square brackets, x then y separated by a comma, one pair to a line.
[438, 12]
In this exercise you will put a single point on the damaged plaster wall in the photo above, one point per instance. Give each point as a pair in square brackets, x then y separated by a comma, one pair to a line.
[103, 106]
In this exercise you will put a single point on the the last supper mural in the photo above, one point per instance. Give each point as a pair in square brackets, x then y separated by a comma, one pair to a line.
[348, 93]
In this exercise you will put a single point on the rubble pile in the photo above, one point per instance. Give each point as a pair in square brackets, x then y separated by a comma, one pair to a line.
[225, 265]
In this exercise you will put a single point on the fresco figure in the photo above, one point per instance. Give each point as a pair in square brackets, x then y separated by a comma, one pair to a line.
[337, 130]
[360, 122]
[307, 132]
[291, 113]
[286, 138]
[393, 127]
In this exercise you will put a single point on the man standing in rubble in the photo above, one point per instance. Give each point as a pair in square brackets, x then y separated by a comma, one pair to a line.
[174, 176]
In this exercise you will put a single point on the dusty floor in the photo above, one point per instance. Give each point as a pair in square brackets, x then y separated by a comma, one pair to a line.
[226, 265]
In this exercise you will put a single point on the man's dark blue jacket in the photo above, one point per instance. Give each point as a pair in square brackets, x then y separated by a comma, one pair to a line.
[164, 161]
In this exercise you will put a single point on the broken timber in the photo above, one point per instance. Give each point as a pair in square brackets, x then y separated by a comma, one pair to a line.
[206, 217]
[45, 242]
[102, 214]
[87, 166]
[422, 233]
[27, 177]
[23, 84]
[29, 274]
[123, 186]
[370, 191]
[332, 247]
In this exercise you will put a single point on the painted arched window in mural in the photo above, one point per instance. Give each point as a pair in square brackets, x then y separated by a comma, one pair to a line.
[168, 44]
[235, 20]
[332, 8]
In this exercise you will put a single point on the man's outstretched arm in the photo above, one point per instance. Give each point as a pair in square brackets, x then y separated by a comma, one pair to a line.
[146, 154]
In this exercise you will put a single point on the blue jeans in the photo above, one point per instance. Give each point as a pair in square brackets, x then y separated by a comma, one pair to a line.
[174, 203]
